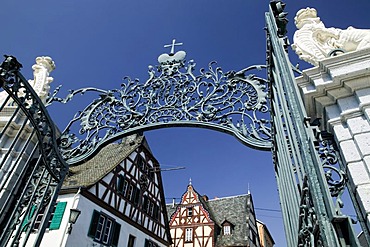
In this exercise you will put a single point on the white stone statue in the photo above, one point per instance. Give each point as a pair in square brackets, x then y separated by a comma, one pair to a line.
[41, 81]
[314, 42]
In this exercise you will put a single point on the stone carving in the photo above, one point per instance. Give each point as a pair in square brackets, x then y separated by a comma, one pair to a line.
[314, 42]
[41, 81]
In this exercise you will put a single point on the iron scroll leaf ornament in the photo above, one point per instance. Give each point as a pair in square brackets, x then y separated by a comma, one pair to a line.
[335, 175]
[172, 96]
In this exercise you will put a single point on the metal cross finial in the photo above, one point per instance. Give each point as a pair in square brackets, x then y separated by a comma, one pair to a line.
[173, 46]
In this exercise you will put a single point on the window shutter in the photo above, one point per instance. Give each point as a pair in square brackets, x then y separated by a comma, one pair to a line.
[93, 224]
[58, 215]
[115, 236]
[26, 219]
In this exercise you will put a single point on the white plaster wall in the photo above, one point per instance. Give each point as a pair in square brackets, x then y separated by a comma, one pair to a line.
[79, 236]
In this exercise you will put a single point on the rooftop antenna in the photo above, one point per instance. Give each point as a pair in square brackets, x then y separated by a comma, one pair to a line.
[158, 169]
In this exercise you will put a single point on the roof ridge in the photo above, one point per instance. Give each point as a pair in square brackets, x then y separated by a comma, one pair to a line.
[228, 197]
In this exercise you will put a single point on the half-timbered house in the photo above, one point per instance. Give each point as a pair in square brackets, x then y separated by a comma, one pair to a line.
[199, 222]
[120, 195]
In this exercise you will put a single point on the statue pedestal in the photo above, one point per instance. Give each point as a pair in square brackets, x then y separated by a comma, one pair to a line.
[338, 92]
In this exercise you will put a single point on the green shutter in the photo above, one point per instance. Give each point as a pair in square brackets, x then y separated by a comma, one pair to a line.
[26, 219]
[115, 236]
[93, 224]
[58, 215]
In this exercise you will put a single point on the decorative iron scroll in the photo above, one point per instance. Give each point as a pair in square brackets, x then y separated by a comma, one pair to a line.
[309, 230]
[173, 95]
[335, 177]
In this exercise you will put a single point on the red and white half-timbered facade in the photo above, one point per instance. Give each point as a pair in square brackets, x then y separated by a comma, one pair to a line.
[222, 222]
[191, 224]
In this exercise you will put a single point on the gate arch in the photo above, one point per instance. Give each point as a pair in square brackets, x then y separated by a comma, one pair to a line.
[173, 96]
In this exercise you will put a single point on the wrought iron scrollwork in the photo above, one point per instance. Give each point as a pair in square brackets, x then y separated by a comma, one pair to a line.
[173, 95]
[309, 230]
[335, 177]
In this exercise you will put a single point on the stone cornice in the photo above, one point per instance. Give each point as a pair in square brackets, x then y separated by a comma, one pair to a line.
[335, 78]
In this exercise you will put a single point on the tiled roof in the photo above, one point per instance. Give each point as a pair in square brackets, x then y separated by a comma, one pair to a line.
[90, 172]
[232, 209]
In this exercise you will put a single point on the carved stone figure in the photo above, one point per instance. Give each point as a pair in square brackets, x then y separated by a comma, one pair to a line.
[314, 42]
[41, 81]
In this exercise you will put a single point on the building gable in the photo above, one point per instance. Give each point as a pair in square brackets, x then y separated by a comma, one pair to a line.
[191, 222]
[132, 189]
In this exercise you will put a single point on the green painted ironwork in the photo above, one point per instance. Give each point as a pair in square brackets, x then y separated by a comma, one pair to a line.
[234, 102]
[303, 172]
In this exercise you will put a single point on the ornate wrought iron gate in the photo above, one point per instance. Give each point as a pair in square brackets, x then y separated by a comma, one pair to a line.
[305, 159]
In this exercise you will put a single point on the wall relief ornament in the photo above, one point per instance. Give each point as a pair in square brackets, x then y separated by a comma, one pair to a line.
[314, 42]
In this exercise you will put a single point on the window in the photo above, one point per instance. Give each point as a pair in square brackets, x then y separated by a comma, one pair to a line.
[55, 218]
[144, 206]
[131, 241]
[130, 191]
[156, 212]
[150, 243]
[103, 229]
[190, 212]
[227, 230]
[122, 185]
[188, 234]
[141, 163]
[150, 210]
[136, 197]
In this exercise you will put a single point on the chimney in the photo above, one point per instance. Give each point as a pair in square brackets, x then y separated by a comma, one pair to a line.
[205, 198]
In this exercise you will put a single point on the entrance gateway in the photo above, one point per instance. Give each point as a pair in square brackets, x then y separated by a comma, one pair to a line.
[265, 114]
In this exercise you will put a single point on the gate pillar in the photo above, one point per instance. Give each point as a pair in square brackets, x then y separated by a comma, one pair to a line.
[338, 92]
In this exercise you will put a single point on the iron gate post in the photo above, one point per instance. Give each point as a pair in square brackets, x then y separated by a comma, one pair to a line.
[295, 152]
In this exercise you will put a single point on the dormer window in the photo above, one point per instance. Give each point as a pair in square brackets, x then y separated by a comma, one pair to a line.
[227, 228]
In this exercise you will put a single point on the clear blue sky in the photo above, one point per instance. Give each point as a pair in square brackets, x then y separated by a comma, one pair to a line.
[96, 43]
